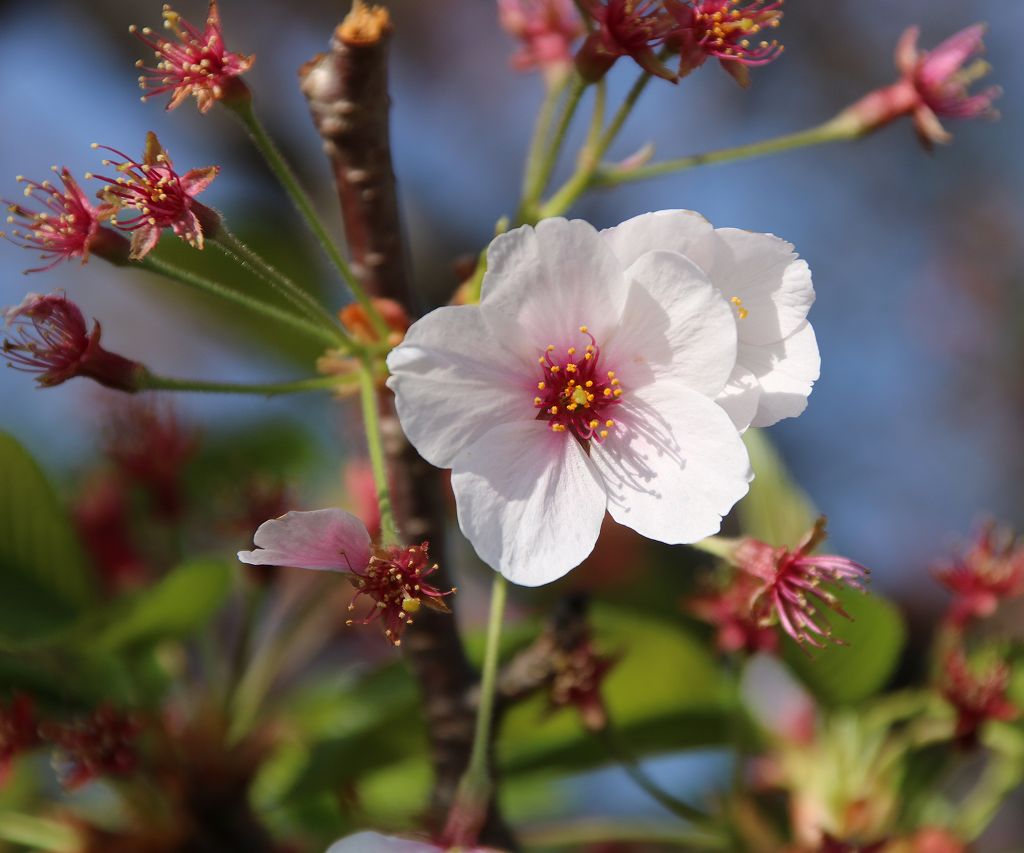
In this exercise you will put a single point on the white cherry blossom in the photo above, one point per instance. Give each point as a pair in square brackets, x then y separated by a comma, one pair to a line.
[579, 385]
[770, 291]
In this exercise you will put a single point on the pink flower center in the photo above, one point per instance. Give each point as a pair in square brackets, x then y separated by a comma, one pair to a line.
[728, 27]
[576, 392]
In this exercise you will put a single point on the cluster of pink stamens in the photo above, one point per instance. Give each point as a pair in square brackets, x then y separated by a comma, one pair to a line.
[162, 197]
[575, 393]
[197, 64]
[63, 229]
[726, 29]
[394, 582]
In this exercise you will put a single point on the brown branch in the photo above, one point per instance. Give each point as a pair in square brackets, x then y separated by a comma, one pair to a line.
[347, 91]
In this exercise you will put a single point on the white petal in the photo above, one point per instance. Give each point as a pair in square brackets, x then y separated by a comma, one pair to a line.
[529, 500]
[453, 381]
[676, 324]
[330, 539]
[374, 842]
[740, 396]
[786, 371]
[673, 465]
[666, 230]
[550, 281]
[764, 273]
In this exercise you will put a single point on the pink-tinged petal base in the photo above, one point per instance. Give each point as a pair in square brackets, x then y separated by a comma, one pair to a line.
[325, 539]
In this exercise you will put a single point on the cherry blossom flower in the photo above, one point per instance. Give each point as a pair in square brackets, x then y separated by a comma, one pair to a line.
[934, 84]
[579, 384]
[374, 842]
[67, 226]
[197, 65]
[161, 197]
[546, 30]
[796, 585]
[770, 292]
[49, 337]
[633, 28]
[393, 578]
[728, 30]
[991, 571]
[976, 697]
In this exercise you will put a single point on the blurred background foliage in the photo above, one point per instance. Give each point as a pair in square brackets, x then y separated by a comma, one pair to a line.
[911, 436]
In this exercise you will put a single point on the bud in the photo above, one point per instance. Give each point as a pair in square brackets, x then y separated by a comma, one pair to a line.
[198, 65]
[49, 337]
[160, 197]
[934, 84]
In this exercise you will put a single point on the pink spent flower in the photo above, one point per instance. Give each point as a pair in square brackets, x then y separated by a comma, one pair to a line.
[579, 674]
[68, 226]
[730, 611]
[976, 697]
[633, 28]
[991, 571]
[196, 65]
[160, 197]
[49, 337]
[795, 585]
[102, 744]
[393, 578]
[546, 30]
[728, 30]
[934, 84]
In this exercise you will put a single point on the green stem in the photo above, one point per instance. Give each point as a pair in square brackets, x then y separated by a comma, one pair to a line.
[183, 276]
[371, 421]
[279, 166]
[532, 178]
[573, 188]
[646, 783]
[475, 787]
[830, 131]
[252, 261]
[151, 382]
[595, 832]
[542, 170]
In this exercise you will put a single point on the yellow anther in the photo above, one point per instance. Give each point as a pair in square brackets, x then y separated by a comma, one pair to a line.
[555, 368]
[604, 433]
[571, 350]
[570, 368]
[590, 383]
[617, 392]
[611, 374]
[553, 410]
[741, 312]
[558, 427]
[537, 401]
[595, 424]
[609, 423]
[550, 348]
[584, 329]
[588, 356]
[615, 382]
[541, 386]
[607, 392]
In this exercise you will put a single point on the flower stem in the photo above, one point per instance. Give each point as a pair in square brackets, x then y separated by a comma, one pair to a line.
[830, 131]
[279, 166]
[636, 772]
[540, 171]
[580, 180]
[375, 447]
[473, 796]
[151, 382]
[183, 276]
[535, 159]
[250, 260]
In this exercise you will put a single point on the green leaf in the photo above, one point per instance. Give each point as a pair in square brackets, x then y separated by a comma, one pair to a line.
[185, 600]
[44, 580]
[775, 510]
[844, 675]
[666, 693]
